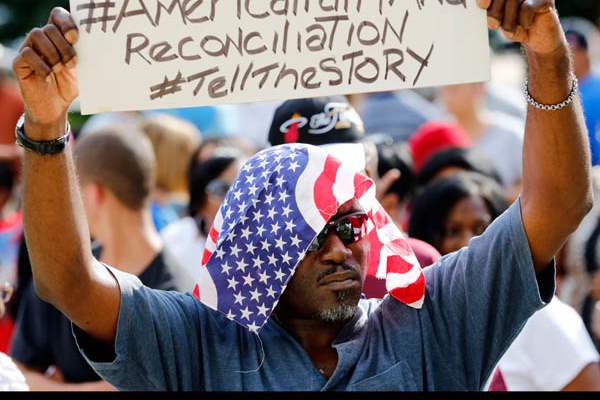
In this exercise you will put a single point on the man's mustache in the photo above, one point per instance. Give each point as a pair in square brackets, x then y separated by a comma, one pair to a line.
[334, 268]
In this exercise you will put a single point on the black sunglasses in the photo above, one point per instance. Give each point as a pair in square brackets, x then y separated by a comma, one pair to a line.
[349, 228]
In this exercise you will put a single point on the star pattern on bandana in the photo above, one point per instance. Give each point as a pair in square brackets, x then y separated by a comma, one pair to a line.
[259, 247]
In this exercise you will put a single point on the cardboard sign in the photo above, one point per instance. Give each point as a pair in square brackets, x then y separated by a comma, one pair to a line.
[148, 54]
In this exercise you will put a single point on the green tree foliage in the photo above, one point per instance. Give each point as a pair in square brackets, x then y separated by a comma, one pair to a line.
[589, 9]
[19, 16]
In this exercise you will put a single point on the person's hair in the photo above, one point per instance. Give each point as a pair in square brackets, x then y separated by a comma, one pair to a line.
[397, 155]
[174, 142]
[579, 38]
[201, 174]
[433, 205]
[465, 158]
[121, 159]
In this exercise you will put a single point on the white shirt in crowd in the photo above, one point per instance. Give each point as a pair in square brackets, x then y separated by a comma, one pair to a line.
[11, 379]
[184, 242]
[553, 348]
[502, 143]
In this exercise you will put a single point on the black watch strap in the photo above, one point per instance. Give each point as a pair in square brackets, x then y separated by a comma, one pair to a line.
[43, 147]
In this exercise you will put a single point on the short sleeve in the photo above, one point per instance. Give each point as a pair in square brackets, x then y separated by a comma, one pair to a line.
[11, 379]
[156, 347]
[30, 344]
[554, 337]
[479, 298]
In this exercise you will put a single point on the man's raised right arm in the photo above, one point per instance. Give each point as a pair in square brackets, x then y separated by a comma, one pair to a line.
[64, 270]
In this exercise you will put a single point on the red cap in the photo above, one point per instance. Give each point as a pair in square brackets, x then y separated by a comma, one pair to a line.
[433, 137]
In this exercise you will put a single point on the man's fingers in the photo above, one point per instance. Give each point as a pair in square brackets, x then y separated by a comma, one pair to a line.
[30, 59]
[496, 13]
[66, 51]
[65, 23]
[511, 15]
[527, 15]
[43, 47]
[485, 4]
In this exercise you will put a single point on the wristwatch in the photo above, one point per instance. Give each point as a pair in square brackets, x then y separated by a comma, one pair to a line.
[43, 147]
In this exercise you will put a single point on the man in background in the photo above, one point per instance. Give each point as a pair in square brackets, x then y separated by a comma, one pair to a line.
[116, 169]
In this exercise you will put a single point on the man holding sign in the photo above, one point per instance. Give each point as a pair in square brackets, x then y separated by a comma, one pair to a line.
[302, 258]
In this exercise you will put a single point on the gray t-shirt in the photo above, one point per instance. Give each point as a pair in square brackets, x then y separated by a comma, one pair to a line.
[477, 301]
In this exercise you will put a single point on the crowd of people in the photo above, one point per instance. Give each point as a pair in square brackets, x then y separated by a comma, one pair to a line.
[447, 165]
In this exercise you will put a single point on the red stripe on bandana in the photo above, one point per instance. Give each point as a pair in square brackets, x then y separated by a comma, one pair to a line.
[412, 293]
[205, 257]
[325, 199]
[214, 234]
[362, 184]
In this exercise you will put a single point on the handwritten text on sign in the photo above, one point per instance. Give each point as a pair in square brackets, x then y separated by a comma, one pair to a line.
[141, 54]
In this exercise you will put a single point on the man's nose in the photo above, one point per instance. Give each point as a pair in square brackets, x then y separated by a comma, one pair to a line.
[334, 250]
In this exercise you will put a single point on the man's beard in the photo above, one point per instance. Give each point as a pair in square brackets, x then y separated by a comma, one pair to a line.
[343, 311]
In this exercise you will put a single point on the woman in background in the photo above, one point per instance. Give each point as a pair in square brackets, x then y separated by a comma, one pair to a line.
[452, 210]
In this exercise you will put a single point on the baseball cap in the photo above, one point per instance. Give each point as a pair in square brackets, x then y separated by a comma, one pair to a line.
[433, 137]
[316, 121]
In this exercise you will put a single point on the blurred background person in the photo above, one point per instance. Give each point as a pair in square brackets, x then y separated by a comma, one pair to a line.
[397, 113]
[553, 352]
[11, 232]
[434, 137]
[589, 87]
[174, 142]
[452, 210]
[497, 135]
[117, 173]
[209, 182]
[392, 156]
[581, 264]
[11, 379]
[453, 160]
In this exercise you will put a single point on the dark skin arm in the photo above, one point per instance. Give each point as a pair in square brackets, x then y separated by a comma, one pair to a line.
[65, 272]
[556, 164]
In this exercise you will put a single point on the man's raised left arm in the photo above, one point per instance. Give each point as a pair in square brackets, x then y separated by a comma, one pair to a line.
[556, 161]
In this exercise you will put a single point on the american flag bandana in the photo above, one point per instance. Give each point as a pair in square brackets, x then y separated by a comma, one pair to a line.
[282, 199]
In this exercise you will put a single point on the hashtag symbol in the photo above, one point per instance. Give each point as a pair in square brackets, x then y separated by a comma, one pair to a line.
[167, 87]
[104, 17]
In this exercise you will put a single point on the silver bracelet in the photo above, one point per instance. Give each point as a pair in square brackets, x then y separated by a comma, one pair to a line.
[553, 107]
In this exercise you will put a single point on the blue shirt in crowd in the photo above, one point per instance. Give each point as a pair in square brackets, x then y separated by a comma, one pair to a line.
[477, 301]
[590, 97]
